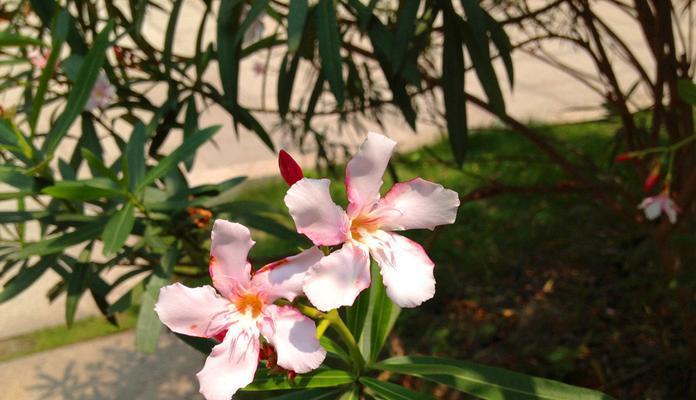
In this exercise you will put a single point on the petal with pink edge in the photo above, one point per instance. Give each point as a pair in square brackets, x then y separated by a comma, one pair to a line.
[337, 279]
[315, 214]
[407, 272]
[192, 311]
[284, 278]
[294, 337]
[231, 365]
[417, 204]
[230, 246]
[365, 170]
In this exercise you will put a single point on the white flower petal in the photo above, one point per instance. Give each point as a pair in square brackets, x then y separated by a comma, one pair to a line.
[315, 214]
[337, 279]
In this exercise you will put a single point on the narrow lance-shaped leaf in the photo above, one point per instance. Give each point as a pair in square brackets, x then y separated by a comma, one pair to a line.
[79, 93]
[475, 35]
[117, 229]
[486, 382]
[25, 278]
[297, 14]
[9, 39]
[405, 27]
[60, 32]
[390, 391]
[60, 243]
[379, 320]
[453, 84]
[330, 48]
[134, 157]
[321, 377]
[149, 326]
[181, 153]
[76, 287]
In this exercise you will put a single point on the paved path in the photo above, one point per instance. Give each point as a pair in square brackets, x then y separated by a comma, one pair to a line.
[104, 369]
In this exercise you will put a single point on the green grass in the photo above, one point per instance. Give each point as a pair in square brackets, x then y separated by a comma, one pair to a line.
[50, 338]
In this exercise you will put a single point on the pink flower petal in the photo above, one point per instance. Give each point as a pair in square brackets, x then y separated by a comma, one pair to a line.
[406, 269]
[231, 365]
[284, 278]
[365, 170]
[294, 337]
[192, 311]
[315, 214]
[337, 279]
[228, 257]
[417, 204]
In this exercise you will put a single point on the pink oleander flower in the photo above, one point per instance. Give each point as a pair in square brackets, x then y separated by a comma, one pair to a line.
[654, 206]
[103, 93]
[241, 311]
[38, 57]
[368, 228]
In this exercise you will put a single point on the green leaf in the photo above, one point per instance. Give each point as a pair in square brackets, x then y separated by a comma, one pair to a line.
[117, 229]
[10, 217]
[332, 347]
[297, 14]
[79, 93]
[249, 122]
[687, 90]
[134, 162]
[97, 166]
[77, 283]
[475, 36]
[190, 127]
[453, 73]
[286, 80]
[180, 154]
[405, 29]
[9, 39]
[486, 382]
[14, 177]
[311, 394]
[85, 190]
[351, 394]
[60, 32]
[149, 326]
[321, 377]
[502, 43]
[330, 48]
[60, 243]
[203, 345]
[25, 278]
[390, 391]
[228, 43]
[379, 319]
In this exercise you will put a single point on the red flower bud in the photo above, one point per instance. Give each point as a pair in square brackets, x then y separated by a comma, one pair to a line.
[623, 157]
[220, 336]
[289, 168]
[653, 178]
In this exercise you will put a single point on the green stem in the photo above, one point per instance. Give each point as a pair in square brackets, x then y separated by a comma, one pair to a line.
[339, 326]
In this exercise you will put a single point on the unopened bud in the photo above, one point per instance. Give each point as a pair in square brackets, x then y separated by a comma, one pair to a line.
[653, 177]
[289, 169]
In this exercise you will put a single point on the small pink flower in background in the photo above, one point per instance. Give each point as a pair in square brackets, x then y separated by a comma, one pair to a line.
[103, 93]
[38, 57]
[259, 68]
[367, 228]
[241, 311]
[654, 206]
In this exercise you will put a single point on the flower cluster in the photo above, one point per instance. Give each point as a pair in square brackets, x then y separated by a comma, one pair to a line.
[240, 310]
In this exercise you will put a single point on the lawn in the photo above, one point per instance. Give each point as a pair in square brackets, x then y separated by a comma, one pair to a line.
[540, 281]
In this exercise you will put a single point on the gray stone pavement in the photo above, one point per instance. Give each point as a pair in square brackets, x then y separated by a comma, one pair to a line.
[109, 368]
[104, 369]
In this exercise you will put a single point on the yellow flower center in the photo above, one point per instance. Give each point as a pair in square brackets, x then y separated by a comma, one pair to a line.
[363, 225]
[249, 304]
